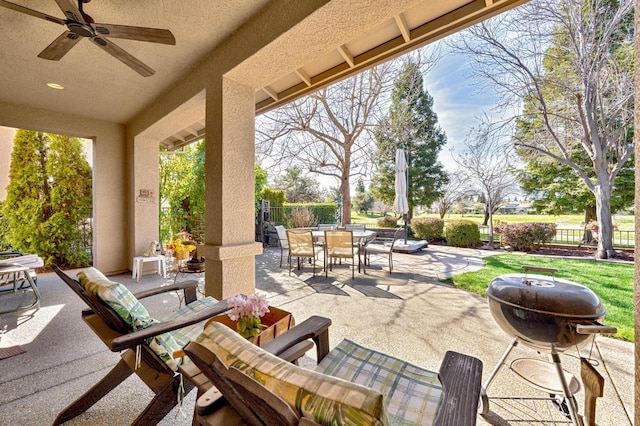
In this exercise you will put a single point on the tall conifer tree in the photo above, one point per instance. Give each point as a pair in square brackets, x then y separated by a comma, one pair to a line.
[413, 126]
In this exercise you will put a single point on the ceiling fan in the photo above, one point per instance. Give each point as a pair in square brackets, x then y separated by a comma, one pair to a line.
[80, 25]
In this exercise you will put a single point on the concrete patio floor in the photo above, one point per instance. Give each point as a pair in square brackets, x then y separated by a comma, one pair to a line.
[408, 314]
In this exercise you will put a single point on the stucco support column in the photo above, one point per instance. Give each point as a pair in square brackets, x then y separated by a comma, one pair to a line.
[230, 246]
[145, 197]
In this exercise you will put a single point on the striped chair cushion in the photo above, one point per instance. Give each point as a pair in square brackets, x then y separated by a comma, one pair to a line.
[326, 400]
[412, 394]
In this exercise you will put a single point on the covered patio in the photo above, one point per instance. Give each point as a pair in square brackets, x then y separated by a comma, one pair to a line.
[231, 61]
[417, 318]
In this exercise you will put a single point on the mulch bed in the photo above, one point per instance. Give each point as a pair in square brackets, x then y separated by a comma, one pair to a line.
[580, 252]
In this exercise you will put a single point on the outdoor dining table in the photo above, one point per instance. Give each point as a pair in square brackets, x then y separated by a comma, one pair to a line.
[359, 236]
[15, 269]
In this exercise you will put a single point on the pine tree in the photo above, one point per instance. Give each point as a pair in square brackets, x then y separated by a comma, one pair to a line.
[27, 205]
[411, 125]
[48, 196]
[71, 201]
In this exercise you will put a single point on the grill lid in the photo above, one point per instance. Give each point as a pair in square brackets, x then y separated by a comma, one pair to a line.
[547, 295]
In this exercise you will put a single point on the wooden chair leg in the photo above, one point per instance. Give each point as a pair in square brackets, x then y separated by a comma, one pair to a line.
[166, 398]
[116, 376]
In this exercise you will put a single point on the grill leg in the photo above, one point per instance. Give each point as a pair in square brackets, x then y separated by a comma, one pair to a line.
[484, 408]
[571, 401]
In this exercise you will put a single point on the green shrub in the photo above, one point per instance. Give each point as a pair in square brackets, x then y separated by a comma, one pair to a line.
[526, 236]
[427, 228]
[387, 222]
[4, 231]
[462, 233]
[323, 212]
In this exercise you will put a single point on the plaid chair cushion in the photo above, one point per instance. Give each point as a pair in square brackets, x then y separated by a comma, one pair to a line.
[412, 394]
[325, 399]
[117, 296]
[167, 343]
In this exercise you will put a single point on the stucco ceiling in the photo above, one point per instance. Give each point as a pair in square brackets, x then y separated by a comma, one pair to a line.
[100, 87]
[96, 84]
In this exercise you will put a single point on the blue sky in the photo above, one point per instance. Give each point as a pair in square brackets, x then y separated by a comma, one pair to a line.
[456, 101]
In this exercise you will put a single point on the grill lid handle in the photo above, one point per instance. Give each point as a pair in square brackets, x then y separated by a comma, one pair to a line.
[595, 329]
[528, 268]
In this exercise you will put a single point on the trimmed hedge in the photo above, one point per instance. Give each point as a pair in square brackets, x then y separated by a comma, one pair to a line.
[462, 233]
[387, 222]
[427, 228]
[526, 236]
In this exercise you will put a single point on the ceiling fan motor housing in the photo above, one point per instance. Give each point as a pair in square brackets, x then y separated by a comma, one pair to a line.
[81, 29]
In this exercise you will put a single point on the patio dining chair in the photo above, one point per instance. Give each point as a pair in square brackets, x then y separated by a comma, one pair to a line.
[382, 246]
[351, 384]
[301, 246]
[339, 244]
[325, 226]
[284, 243]
[355, 226]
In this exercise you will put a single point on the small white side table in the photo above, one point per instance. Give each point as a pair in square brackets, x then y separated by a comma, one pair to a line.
[138, 266]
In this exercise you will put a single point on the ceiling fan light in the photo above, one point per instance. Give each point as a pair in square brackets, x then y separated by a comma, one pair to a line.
[55, 86]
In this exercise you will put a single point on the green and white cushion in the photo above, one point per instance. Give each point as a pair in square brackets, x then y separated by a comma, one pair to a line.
[326, 400]
[129, 308]
[167, 343]
[117, 296]
[412, 394]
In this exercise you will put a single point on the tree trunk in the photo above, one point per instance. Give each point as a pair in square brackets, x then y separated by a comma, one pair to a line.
[589, 215]
[345, 190]
[485, 221]
[603, 212]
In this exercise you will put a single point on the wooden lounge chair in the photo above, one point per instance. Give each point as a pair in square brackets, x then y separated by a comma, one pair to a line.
[151, 368]
[351, 382]
[157, 371]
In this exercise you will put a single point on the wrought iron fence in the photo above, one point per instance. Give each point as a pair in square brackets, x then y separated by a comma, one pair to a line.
[621, 239]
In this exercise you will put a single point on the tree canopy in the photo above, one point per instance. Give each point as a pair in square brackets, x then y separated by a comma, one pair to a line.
[567, 68]
[49, 198]
[411, 124]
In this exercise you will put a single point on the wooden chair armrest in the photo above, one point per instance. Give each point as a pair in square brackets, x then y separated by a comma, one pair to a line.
[461, 378]
[315, 327]
[137, 337]
[182, 285]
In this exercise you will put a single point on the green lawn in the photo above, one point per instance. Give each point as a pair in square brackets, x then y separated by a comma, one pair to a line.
[612, 282]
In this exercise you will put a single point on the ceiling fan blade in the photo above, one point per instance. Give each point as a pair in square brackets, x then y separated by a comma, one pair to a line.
[60, 46]
[18, 8]
[70, 10]
[123, 56]
[153, 35]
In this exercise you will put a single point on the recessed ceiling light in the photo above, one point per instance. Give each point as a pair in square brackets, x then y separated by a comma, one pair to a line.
[55, 86]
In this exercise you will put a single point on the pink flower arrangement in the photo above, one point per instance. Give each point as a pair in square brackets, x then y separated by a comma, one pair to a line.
[247, 311]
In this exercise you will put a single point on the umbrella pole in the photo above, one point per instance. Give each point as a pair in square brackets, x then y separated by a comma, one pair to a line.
[405, 228]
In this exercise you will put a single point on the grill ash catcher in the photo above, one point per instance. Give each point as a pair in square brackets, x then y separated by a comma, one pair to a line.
[549, 315]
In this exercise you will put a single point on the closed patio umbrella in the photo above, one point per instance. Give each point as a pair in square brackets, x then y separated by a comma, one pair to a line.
[400, 203]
